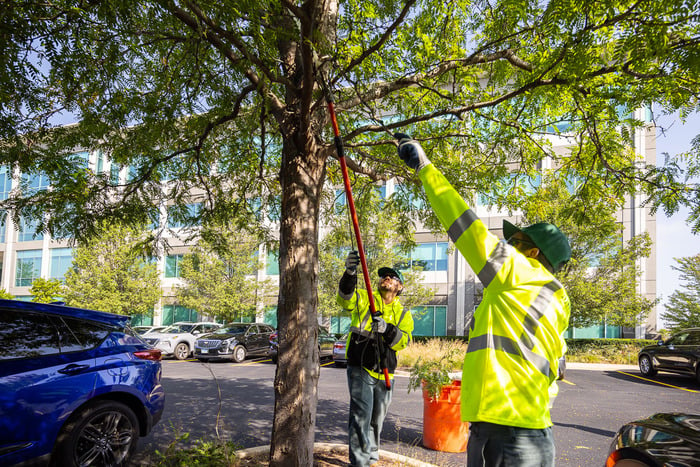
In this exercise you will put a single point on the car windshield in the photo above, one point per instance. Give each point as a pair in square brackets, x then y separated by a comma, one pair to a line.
[177, 328]
[235, 329]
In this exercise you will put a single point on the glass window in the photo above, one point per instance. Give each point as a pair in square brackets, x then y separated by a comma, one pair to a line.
[28, 267]
[27, 335]
[114, 176]
[5, 182]
[61, 260]
[27, 231]
[177, 217]
[415, 201]
[429, 257]
[35, 182]
[172, 265]
[82, 158]
[429, 320]
[174, 313]
[271, 316]
[101, 162]
[81, 335]
[3, 224]
[272, 264]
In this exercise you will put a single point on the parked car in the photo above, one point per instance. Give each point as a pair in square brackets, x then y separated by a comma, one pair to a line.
[178, 339]
[77, 387]
[234, 341]
[680, 353]
[664, 439]
[141, 330]
[325, 345]
[339, 358]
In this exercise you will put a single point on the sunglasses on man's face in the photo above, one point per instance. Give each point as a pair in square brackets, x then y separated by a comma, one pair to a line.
[521, 244]
[390, 276]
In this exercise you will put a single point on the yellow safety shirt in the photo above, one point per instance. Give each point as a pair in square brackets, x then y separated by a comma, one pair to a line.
[517, 335]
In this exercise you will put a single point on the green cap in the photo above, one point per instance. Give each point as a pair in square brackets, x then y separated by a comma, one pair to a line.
[384, 271]
[547, 237]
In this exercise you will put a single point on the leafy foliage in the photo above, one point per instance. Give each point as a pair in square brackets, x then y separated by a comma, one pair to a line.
[683, 307]
[219, 102]
[432, 369]
[220, 277]
[4, 294]
[46, 290]
[387, 237]
[110, 273]
[603, 275]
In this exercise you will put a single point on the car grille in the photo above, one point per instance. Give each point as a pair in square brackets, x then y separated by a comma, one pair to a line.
[208, 344]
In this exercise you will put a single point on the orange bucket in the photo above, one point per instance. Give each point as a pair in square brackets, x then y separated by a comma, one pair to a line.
[443, 428]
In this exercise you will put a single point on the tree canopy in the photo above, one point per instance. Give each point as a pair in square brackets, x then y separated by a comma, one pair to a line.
[602, 278]
[683, 306]
[109, 273]
[221, 280]
[219, 101]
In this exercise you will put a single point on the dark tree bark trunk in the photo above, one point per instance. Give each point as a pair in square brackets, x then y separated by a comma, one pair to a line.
[296, 379]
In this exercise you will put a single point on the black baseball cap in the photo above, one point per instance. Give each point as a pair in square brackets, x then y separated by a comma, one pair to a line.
[390, 271]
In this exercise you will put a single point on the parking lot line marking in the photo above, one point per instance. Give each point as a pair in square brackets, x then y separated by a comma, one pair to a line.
[326, 364]
[658, 382]
[253, 362]
[568, 382]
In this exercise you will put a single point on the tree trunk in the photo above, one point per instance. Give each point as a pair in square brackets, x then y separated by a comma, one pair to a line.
[296, 379]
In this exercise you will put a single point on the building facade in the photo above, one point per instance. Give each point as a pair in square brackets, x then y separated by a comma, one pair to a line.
[26, 255]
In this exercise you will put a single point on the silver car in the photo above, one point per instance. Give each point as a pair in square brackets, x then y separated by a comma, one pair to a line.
[178, 339]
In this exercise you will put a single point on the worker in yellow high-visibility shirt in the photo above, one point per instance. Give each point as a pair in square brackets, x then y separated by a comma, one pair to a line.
[517, 336]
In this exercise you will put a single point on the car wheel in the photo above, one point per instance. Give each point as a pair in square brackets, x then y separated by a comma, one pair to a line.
[697, 374]
[274, 359]
[239, 354]
[102, 433]
[645, 366]
[339, 364]
[182, 351]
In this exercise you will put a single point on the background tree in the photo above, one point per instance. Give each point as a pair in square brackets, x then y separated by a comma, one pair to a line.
[602, 276]
[4, 294]
[112, 273]
[683, 306]
[46, 290]
[388, 238]
[221, 279]
[221, 99]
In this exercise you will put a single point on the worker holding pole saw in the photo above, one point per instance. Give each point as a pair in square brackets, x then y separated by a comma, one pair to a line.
[379, 327]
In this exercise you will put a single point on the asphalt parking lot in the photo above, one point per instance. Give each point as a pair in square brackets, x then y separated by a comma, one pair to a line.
[593, 403]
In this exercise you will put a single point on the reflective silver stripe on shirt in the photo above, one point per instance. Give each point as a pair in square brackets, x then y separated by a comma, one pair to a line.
[536, 310]
[523, 347]
[461, 224]
[493, 263]
[508, 345]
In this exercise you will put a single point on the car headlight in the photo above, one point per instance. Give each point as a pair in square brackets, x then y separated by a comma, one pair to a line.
[229, 343]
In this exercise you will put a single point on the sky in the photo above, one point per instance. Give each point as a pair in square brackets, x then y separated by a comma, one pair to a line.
[674, 238]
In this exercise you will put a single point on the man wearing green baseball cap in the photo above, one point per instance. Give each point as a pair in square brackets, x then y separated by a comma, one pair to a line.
[516, 339]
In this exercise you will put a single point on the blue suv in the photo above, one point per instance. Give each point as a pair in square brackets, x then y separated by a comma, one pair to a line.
[77, 387]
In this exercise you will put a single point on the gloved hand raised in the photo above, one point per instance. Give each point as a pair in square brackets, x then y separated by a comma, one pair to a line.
[352, 261]
[411, 152]
[378, 324]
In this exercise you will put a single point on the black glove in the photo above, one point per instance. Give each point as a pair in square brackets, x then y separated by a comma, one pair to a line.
[378, 324]
[352, 261]
[411, 152]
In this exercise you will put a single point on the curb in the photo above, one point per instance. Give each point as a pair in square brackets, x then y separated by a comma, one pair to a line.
[599, 366]
[386, 455]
